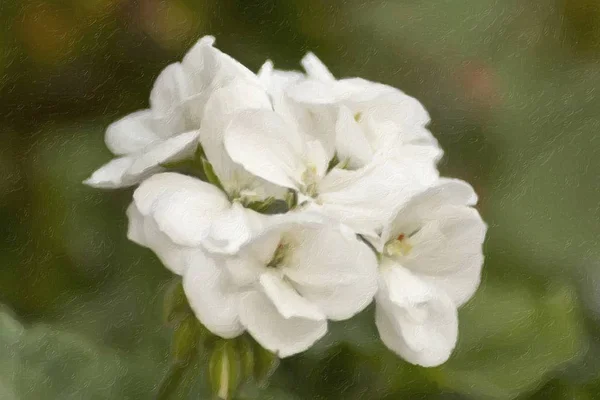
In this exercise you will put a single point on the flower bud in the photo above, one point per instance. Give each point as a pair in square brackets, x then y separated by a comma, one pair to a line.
[224, 370]
[175, 305]
[185, 339]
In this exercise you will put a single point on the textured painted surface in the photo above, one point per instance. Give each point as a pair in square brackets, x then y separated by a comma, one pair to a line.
[512, 91]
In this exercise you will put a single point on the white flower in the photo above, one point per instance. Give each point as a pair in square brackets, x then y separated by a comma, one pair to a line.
[368, 116]
[225, 102]
[173, 214]
[266, 145]
[169, 130]
[283, 286]
[431, 264]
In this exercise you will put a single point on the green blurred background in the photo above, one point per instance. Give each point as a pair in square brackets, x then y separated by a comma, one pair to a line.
[511, 85]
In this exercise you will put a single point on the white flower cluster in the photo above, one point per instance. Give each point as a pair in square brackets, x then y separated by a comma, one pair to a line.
[367, 216]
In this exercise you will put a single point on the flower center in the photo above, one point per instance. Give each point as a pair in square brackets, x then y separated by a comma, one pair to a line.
[400, 246]
[310, 179]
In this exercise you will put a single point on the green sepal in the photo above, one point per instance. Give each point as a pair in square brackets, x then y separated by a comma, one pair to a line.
[189, 166]
[209, 173]
[291, 199]
[269, 206]
[333, 162]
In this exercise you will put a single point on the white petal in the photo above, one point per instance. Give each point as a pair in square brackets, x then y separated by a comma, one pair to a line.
[144, 231]
[275, 80]
[131, 133]
[315, 68]
[244, 269]
[220, 108]
[414, 320]
[172, 149]
[385, 123]
[233, 228]
[351, 144]
[112, 175]
[183, 207]
[287, 301]
[135, 228]
[311, 91]
[447, 252]
[317, 156]
[337, 273]
[272, 331]
[267, 147]
[168, 92]
[366, 199]
[208, 69]
[427, 204]
[212, 297]
[175, 257]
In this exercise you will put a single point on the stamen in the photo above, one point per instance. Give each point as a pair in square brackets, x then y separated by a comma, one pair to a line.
[398, 247]
[309, 178]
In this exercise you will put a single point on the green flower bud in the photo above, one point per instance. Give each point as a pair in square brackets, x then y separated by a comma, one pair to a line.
[245, 347]
[185, 339]
[175, 305]
[224, 370]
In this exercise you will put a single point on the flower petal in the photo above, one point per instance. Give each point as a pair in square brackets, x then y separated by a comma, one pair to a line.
[330, 269]
[112, 175]
[182, 206]
[208, 69]
[212, 296]
[287, 301]
[427, 204]
[275, 80]
[395, 121]
[131, 133]
[267, 147]
[271, 330]
[144, 231]
[135, 228]
[413, 319]
[233, 228]
[220, 108]
[366, 199]
[315, 68]
[173, 149]
[447, 252]
[168, 93]
[351, 143]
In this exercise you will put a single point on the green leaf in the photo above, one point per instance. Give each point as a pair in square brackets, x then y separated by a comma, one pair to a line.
[41, 362]
[511, 339]
[172, 380]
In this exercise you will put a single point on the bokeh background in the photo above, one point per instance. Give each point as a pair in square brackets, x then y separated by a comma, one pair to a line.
[513, 90]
